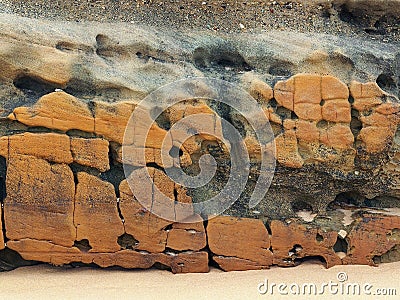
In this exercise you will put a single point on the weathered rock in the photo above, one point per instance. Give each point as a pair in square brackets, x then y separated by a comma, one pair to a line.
[336, 138]
[40, 201]
[111, 120]
[91, 152]
[185, 262]
[49, 146]
[380, 119]
[251, 253]
[150, 230]
[293, 241]
[56, 110]
[96, 214]
[187, 236]
[372, 237]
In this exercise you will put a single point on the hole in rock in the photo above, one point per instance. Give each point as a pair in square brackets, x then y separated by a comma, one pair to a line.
[127, 241]
[284, 113]
[295, 250]
[355, 126]
[115, 175]
[319, 238]
[322, 124]
[34, 86]
[168, 227]
[347, 198]
[310, 259]
[10, 259]
[201, 57]
[382, 201]
[281, 68]
[341, 245]
[83, 245]
[162, 120]
[273, 103]
[390, 256]
[301, 205]
[386, 82]
[161, 266]
[349, 16]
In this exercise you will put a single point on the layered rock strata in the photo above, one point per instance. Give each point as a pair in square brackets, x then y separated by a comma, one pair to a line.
[67, 91]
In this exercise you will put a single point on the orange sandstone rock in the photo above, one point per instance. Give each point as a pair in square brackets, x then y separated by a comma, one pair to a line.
[56, 110]
[91, 152]
[40, 201]
[294, 241]
[260, 90]
[187, 236]
[145, 227]
[307, 89]
[252, 252]
[184, 262]
[49, 146]
[337, 110]
[373, 236]
[287, 150]
[333, 88]
[96, 214]
[4, 146]
[284, 93]
[338, 136]
[111, 119]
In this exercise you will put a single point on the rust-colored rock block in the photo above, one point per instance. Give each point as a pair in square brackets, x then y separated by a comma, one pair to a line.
[96, 215]
[111, 119]
[333, 88]
[56, 110]
[287, 151]
[372, 237]
[337, 111]
[49, 146]
[91, 153]
[292, 241]
[223, 234]
[307, 89]
[40, 201]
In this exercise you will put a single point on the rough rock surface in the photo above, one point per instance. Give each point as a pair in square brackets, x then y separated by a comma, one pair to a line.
[65, 100]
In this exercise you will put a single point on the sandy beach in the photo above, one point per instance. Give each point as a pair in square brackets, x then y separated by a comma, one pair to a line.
[47, 282]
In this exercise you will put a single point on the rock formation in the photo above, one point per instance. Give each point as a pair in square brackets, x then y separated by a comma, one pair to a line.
[65, 103]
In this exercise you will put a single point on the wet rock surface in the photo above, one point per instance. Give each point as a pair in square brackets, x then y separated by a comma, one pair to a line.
[65, 102]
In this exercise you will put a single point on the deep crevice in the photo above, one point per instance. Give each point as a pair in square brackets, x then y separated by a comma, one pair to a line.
[155, 166]
[319, 238]
[115, 175]
[34, 86]
[10, 260]
[3, 193]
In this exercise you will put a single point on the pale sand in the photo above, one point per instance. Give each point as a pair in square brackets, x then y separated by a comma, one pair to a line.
[45, 282]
